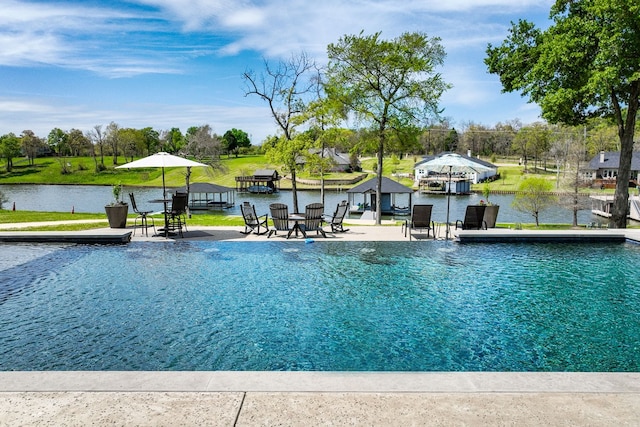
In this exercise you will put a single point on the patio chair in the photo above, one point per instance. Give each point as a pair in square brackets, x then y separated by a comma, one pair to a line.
[143, 216]
[177, 216]
[313, 219]
[280, 217]
[252, 222]
[335, 220]
[420, 220]
[473, 218]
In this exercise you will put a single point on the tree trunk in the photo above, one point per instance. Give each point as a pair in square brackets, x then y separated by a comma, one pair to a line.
[322, 171]
[379, 174]
[621, 198]
[626, 130]
[379, 187]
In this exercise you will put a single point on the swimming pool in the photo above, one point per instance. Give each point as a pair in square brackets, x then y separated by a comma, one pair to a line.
[327, 306]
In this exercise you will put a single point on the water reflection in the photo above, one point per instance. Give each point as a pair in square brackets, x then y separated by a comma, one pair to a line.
[86, 198]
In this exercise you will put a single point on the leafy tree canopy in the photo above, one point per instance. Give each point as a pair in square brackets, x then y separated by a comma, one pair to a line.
[586, 64]
[391, 85]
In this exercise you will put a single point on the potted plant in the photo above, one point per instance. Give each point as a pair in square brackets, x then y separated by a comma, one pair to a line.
[491, 211]
[117, 210]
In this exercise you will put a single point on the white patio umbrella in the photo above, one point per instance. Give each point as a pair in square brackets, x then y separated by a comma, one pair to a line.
[453, 163]
[161, 160]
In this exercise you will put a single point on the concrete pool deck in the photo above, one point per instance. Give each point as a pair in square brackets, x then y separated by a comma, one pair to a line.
[320, 398]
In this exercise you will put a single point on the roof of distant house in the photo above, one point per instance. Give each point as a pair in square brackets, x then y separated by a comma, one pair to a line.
[341, 159]
[612, 161]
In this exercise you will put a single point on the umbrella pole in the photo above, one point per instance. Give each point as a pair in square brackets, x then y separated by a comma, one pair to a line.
[164, 202]
[448, 204]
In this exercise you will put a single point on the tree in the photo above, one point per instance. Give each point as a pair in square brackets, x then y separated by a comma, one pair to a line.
[151, 139]
[9, 148]
[31, 145]
[559, 153]
[534, 196]
[235, 139]
[113, 139]
[587, 64]
[532, 140]
[132, 142]
[323, 116]
[286, 88]
[601, 137]
[202, 143]
[98, 138]
[435, 138]
[78, 142]
[172, 140]
[478, 139]
[387, 84]
[57, 141]
[451, 140]
[574, 155]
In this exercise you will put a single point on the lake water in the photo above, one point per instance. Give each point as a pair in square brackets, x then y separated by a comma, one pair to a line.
[323, 306]
[83, 198]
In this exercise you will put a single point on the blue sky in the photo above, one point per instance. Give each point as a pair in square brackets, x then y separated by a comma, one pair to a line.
[178, 63]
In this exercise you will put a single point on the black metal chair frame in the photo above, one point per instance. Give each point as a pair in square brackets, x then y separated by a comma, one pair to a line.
[143, 216]
[420, 220]
[178, 213]
[335, 220]
[253, 222]
[473, 218]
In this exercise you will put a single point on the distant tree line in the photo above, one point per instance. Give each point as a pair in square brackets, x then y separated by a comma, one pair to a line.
[122, 144]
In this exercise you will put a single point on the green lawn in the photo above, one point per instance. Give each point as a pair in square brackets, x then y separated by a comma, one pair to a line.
[82, 171]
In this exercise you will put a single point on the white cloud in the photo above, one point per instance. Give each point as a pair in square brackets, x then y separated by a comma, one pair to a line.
[171, 37]
[476, 5]
[28, 48]
[70, 35]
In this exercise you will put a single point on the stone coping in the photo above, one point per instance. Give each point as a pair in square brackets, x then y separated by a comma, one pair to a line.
[369, 382]
[357, 232]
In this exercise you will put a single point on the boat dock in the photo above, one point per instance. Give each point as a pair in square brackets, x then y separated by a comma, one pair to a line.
[603, 206]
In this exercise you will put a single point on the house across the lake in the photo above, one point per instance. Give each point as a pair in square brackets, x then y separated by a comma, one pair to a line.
[602, 170]
[340, 162]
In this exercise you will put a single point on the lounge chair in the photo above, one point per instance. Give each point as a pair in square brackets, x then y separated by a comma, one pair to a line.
[473, 218]
[143, 216]
[280, 217]
[177, 216]
[335, 220]
[313, 219]
[420, 220]
[252, 222]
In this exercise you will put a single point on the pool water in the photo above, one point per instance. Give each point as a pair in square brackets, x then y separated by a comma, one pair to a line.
[338, 306]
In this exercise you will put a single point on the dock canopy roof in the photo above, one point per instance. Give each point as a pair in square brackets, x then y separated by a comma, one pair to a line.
[389, 186]
[206, 187]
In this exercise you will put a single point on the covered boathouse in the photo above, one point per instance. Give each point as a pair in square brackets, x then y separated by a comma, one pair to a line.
[262, 181]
